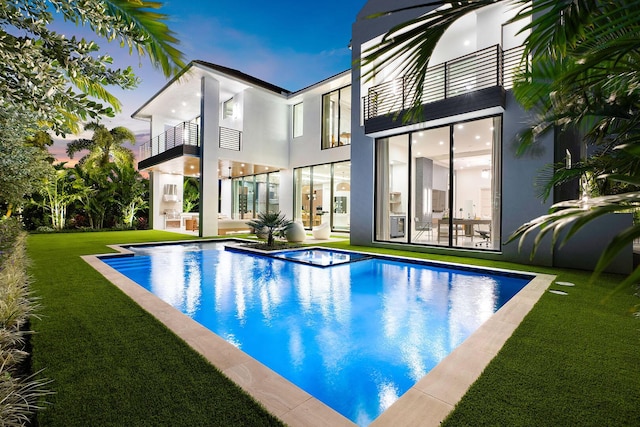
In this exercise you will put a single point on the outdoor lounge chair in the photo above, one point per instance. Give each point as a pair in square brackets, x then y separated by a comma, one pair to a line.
[322, 231]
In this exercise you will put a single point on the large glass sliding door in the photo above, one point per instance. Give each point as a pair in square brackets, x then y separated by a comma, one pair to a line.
[322, 194]
[341, 196]
[255, 194]
[430, 160]
[304, 197]
[243, 198]
[476, 187]
[392, 195]
[452, 174]
[274, 192]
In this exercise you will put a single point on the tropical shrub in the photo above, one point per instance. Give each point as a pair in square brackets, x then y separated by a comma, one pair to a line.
[274, 223]
[20, 392]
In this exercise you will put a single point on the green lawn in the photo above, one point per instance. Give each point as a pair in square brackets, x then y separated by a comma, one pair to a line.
[573, 361]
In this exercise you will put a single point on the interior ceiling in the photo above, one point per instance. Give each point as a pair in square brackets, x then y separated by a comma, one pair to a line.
[184, 95]
[190, 166]
[472, 143]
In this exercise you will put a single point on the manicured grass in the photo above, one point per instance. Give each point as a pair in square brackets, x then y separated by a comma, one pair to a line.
[112, 363]
[573, 361]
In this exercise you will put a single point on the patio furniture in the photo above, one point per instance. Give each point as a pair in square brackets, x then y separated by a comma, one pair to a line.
[172, 219]
[295, 233]
[322, 231]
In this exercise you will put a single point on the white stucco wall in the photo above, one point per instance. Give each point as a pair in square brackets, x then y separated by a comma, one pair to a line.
[265, 129]
[306, 150]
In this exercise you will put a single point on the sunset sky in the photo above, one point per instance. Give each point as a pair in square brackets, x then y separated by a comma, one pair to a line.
[290, 43]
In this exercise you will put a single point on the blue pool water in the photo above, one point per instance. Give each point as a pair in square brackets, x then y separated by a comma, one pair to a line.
[356, 335]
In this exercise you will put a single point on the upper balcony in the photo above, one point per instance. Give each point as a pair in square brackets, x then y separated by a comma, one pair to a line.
[185, 133]
[183, 140]
[482, 76]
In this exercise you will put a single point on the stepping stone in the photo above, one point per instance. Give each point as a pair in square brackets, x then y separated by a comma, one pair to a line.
[565, 284]
[553, 291]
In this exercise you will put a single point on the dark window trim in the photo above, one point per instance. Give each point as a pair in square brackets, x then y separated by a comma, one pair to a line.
[322, 131]
[410, 200]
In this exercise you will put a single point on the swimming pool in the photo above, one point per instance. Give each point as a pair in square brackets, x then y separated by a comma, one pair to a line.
[356, 336]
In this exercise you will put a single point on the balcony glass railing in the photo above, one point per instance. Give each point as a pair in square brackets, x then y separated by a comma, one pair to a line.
[185, 133]
[479, 70]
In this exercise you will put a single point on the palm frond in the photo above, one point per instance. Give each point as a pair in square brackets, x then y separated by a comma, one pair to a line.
[567, 218]
[78, 145]
[95, 89]
[154, 36]
[410, 46]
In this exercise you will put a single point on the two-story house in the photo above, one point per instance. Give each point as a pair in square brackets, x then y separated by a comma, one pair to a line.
[336, 152]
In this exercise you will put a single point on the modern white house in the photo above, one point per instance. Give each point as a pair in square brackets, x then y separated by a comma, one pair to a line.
[336, 152]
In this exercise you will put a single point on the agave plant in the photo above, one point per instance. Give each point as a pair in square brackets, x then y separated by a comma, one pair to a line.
[273, 222]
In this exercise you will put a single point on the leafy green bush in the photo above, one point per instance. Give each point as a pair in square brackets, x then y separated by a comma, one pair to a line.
[45, 229]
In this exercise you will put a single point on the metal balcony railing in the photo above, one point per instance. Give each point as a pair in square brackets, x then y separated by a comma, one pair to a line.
[185, 133]
[479, 70]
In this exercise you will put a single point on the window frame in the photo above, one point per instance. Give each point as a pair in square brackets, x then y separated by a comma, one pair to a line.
[298, 120]
[325, 145]
[227, 112]
[381, 200]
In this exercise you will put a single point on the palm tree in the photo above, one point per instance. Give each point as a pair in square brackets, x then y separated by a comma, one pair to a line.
[130, 192]
[190, 194]
[60, 190]
[274, 222]
[584, 77]
[99, 200]
[105, 146]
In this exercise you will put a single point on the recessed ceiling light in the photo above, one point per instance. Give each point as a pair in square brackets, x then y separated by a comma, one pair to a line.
[184, 104]
[418, 153]
[266, 168]
[491, 128]
[460, 126]
[193, 167]
[487, 143]
[477, 136]
[173, 111]
[242, 164]
[420, 133]
[441, 142]
[467, 42]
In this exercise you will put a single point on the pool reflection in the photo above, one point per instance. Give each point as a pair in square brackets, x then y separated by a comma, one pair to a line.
[356, 336]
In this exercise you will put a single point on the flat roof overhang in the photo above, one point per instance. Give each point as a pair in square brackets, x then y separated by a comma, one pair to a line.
[183, 159]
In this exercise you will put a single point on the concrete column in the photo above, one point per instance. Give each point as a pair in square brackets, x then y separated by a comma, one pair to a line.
[155, 195]
[286, 193]
[209, 153]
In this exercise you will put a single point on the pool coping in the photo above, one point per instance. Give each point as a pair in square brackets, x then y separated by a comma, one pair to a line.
[427, 403]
